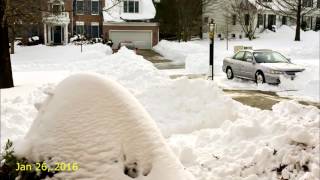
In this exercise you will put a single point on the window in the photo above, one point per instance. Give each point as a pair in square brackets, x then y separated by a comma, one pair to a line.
[239, 56]
[284, 20]
[206, 20]
[95, 30]
[234, 19]
[248, 56]
[260, 20]
[95, 7]
[318, 3]
[56, 9]
[131, 6]
[247, 19]
[79, 27]
[307, 3]
[80, 7]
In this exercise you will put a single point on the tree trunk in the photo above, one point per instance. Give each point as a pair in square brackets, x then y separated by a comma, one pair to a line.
[6, 80]
[12, 39]
[298, 28]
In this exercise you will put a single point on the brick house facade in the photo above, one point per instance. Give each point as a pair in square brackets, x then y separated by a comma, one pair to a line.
[63, 19]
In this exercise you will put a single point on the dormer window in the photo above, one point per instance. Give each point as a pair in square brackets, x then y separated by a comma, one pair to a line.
[131, 6]
[57, 7]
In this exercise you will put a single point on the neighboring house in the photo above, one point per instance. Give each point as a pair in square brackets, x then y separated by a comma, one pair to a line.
[65, 18]
[312, 20]
[130, 20]
[227, 24]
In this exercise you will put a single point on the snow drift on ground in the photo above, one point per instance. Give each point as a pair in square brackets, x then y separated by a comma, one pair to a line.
[97, 123]
[174, 104]
[177, 106]
[305, 53]
[278, 144]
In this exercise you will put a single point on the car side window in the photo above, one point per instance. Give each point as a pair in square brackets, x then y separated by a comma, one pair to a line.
[239, 56]
[247, 56]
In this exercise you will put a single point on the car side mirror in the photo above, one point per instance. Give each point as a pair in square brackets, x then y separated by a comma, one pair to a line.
[289, 59]
[249, 60]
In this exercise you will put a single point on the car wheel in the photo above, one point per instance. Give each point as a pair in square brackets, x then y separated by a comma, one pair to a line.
[260, 78]
[229, 73]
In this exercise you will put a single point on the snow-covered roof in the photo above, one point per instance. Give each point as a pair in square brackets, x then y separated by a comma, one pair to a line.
[114, 11]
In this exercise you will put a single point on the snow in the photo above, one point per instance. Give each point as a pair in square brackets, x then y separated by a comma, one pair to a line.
[97, 123]
[305, 53]
[213, 136]
[253, 148]
[114, 11]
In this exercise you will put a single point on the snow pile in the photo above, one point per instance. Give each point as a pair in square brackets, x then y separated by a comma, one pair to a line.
[98, 124]
[178, 107]
[175, 105]
[178, 51]
[114, 11]
[278, 144]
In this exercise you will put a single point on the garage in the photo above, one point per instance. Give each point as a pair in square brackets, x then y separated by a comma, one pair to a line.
[142, 39]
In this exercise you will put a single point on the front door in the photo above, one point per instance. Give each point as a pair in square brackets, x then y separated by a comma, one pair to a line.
[317, 24]
[57, 35]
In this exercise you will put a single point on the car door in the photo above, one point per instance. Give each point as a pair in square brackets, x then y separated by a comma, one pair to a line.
[237, 63]
[248, 66]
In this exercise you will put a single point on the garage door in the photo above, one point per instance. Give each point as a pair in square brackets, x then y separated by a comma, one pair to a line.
[141, 39]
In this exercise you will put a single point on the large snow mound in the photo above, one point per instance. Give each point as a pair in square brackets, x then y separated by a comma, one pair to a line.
[97, 123]
[278, 144]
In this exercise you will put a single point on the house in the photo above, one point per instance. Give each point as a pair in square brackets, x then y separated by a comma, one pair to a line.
[65, 18]
[227, 24]
[130, 20]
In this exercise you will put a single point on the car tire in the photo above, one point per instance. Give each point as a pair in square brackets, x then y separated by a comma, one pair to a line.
[229, 73]
[260, 79]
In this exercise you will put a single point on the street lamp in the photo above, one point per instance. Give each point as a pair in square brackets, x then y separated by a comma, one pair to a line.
[212, 26]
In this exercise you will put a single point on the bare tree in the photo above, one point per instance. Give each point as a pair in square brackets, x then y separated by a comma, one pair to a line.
[21, 13]
[12, 12]
[291, 8]
[181, 17]
[246, 14]
[6, 80]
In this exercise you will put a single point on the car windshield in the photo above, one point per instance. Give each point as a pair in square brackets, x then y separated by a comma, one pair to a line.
[269, 57]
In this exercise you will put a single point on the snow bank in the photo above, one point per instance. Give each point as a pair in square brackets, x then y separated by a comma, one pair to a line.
[175, 105]
[177, 51]
[278, 144]
[178, 107]
[98, 124]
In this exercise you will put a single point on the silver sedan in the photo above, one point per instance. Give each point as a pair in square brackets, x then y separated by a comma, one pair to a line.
[262, 66]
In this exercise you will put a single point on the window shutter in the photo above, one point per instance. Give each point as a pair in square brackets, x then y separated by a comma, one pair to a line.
[88, 31]
[88, 5]
[74, 8]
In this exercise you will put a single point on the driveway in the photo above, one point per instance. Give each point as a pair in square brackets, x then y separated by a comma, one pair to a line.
[159, 62]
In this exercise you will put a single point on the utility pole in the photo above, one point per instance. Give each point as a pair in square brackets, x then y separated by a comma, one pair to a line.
[211, 47]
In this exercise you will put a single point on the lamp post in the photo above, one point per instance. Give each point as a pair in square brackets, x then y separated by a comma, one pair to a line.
[212, 26]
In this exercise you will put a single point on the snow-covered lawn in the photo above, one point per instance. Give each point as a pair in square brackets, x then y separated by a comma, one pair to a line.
[214, 136]
[306, 53]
